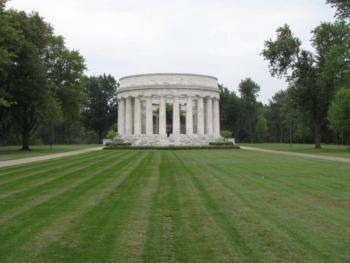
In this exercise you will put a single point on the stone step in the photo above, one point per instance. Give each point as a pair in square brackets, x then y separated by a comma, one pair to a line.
[172, 140]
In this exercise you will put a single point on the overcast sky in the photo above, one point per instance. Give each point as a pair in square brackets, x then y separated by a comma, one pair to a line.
[222, 38]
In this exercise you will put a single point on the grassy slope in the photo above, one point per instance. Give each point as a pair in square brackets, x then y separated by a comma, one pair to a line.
[14, 152]
[327, 149]
[187, 206]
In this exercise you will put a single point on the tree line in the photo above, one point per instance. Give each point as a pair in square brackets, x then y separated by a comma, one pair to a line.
[44, 93]
[45, 96]
[315, 107]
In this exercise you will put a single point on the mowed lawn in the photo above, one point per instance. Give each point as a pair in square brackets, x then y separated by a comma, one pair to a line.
[176, 206]
[327, 149]
[14, 152]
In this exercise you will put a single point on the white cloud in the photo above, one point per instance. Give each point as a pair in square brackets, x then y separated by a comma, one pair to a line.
[222, 38]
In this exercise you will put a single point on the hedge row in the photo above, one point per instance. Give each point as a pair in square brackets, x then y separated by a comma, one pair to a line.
[118, 144]
[220, 143]
[171, 147]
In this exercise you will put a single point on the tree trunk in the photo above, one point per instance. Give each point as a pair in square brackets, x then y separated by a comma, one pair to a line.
[52, 135]
[100, 136]
[317, 136]
[25, 140]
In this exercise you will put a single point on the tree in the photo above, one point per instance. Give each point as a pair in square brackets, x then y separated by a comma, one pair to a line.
[51, 116]
[249, 107]
[302, 131]
[10, 39]
[229, 111]
[101, 107]
[339, 114]
[65, 73]
[313, 78]
[26, 81]
[37, 72]
[286, 59]
[274, 116]
[226, 133]
[249, 90]
[289, 114]
[342, 6]
[261, 128]
[332, 44]
[111, 134]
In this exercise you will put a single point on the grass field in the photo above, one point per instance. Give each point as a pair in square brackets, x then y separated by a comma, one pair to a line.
[168, 206]
[327, 149]
[14, 152]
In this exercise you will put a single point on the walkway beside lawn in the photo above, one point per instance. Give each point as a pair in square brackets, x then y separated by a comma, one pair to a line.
[46, 157]
[306, 155]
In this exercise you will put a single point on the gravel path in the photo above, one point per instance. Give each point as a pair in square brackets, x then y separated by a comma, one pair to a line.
[46, 157]
[306, 155]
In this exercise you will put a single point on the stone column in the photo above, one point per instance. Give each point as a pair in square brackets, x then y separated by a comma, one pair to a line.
[137, 116]
[162, 117]
[216, 117]
[128, 116]
[189, 116]
[176, 116]
[121, 116]
[200, 116]
[149, 116]
[209, 116]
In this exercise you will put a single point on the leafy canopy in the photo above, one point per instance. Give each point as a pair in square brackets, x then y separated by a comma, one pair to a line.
[339, 112]
[342, 7]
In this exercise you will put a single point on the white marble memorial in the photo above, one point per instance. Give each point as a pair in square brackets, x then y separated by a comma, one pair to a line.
[168, 109]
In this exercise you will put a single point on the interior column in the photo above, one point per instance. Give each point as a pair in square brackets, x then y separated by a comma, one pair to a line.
[200, 116]
[216, 116]
[149, 116]
[162, 116]
[209, 116]
[176, 116]
[189, 116]
[121, 117]
[137, 117]
[128, 116]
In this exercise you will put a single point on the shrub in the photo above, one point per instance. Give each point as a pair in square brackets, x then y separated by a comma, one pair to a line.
[118, 144]
[111, 134]
[226, 134]
[220, 143]
[171, 147]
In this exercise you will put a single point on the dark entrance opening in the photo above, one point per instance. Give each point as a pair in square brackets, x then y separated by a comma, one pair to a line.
[169, 118]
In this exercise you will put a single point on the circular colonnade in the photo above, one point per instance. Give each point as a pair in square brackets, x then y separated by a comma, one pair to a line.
[168, 109]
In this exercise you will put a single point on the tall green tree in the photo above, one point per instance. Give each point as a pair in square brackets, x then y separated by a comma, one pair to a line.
[274, 116]
[65, 73]
[313, 78]
[101, 107]
[339, 115]
[342, 7]
[38, 76]
[290, 115]
[10, 38]
[248, 90]
[51, 116]
[26, 83]
[261, 128]
[229, 111]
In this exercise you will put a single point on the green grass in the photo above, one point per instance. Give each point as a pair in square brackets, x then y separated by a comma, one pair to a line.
[14, 152]
[175, 206]
[327, 149]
